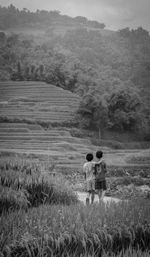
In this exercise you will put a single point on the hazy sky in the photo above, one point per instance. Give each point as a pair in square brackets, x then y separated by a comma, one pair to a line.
[114, 13]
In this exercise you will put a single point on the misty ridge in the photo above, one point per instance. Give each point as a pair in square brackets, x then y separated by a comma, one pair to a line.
[11, 16]
[109, 70]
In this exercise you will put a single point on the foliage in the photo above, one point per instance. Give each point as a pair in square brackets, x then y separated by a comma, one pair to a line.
[139, 159]
[78, 230]
[11, 199]
[108, 143]
[125, 109]
[120, 110]
[93, 111]
[136, 35]
[22, 185]
[134, 170]
[82, 60]
[81, 133]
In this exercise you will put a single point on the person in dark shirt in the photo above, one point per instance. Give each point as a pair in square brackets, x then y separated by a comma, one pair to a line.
[100, 175]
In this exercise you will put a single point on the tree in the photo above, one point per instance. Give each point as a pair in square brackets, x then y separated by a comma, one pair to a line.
[19, 71]
[93, 112]
[27, 73]
[124, 109]
[81, 19]
[2, 37]
[96, 24]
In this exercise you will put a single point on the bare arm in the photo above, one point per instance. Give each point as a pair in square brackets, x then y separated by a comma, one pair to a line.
[105, 168]
[84, 172]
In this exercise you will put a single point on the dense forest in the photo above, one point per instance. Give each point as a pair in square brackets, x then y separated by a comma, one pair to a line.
[109, 70]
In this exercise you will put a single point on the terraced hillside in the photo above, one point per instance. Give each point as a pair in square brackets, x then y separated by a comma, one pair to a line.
[33, 101]
[37, 101]
[41, 102]
[56, 144]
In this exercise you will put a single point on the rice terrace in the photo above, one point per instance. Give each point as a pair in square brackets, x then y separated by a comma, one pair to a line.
[69, 87]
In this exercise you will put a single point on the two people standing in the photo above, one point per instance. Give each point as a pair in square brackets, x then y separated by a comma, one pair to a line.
[95, 176]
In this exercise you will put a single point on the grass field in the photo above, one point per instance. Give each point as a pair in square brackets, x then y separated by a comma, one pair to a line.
[41, 216]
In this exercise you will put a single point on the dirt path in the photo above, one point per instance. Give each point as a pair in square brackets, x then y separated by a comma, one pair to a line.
[82, 198]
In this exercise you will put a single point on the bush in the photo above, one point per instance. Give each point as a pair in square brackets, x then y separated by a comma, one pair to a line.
[4, 75]
[49, 191]
[11, 199]
[108, 143]
[24, 186]
[119, 171]
[75, 132]
[120, 145]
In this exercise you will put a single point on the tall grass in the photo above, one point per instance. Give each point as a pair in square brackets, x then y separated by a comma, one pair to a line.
[58, 225]
[78, 230]
[11, 199]
[23, 186]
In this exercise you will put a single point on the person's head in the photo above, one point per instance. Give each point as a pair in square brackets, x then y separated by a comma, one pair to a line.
[89, 157]
[99, 154]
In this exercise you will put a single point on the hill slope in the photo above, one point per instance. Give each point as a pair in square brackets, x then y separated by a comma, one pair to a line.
[21, 102]
[37, 101]
[80, 56]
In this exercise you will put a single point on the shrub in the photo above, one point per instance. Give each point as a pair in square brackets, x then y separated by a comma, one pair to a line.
[119, 171]
[75, 132]
[13, 199]
[108, 143]
[27, 186]
[4, 75]
[120, 145]
[48, 190]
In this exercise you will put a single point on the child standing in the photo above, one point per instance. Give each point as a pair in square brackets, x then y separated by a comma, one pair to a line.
[88, 170]
[100, 175]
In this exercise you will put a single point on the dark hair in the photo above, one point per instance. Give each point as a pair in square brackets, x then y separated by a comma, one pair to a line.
[99, 154]
[89, 157]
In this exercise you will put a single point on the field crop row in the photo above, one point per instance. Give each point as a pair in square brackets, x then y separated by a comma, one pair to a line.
[37, 101]
[20, 125]
[37, 138]
[79, 231]
[60, 118]
[33, 89]
[23, 132]
[13, 99]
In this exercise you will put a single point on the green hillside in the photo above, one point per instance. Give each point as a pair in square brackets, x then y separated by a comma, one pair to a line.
[37, 101]
[24, 107]
[33, 120]
[108, 70]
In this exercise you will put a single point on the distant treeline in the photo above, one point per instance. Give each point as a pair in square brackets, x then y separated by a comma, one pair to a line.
[109, 70]
[11, 16]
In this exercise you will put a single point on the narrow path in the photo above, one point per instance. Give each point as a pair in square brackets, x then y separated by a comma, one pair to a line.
[82, 198]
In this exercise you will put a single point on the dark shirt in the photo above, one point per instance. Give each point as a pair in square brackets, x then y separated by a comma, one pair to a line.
[100, 171]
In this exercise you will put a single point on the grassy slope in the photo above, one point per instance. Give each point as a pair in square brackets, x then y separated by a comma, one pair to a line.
[37, 101]
[34, 101]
